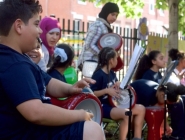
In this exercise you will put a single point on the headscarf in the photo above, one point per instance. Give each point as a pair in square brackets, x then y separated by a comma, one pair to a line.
[108, 8]
[47, 24]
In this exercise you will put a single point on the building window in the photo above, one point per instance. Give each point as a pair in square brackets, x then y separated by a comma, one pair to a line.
[151, 7]
[116, 28]
[161, 12]
[81, 2]
[76, 25]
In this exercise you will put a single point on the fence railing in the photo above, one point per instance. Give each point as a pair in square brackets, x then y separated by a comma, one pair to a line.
[74, 32]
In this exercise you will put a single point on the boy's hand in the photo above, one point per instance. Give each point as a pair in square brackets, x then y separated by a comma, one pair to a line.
[87, 116]
[78, 86]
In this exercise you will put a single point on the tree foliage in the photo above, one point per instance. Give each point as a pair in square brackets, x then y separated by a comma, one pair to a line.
[163, 4]
[130, 8]
[133, 8]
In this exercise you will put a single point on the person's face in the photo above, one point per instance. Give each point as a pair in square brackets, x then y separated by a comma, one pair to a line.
[160, 97]
[35, 54]
[52, 38]
[111, 18]
[159, 61]
[114, 61]
[30, 34]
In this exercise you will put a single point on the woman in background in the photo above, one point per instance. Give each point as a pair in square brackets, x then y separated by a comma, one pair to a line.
[107, 16]
[51, 33]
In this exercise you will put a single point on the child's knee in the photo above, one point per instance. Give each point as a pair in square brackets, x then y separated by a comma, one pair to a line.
[91, 128]
[139, 109]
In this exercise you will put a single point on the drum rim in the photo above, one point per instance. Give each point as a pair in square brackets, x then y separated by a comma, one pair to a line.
[121, 41]
[74, 100]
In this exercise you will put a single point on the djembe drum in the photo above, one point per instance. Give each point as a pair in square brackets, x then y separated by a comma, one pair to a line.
[115, 41]
[124, 101]
[154, 117]
[85, 100]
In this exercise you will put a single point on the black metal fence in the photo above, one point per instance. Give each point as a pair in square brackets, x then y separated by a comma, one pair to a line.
[74, 32]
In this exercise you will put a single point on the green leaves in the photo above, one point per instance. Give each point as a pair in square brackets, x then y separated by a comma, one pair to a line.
[129, 8]
[134, 8]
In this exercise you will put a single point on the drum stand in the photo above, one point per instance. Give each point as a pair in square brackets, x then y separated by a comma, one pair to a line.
[165, 137]
[129, 114]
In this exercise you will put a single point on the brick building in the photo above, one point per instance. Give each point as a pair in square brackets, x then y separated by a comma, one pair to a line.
[87, 12]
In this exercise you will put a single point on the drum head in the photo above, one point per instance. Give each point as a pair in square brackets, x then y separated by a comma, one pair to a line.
[91, 106]
[112, 40]
[124, 101]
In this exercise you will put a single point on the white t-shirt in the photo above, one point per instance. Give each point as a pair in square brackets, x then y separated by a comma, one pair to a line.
[44, 59]
[174, 78]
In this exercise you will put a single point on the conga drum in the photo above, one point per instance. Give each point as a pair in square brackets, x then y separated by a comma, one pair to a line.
[124, 101]
[114, 41]
[85, 100]
[154, 117]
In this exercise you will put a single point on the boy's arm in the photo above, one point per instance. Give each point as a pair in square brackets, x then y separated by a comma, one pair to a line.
[58, 89]
[46, 114]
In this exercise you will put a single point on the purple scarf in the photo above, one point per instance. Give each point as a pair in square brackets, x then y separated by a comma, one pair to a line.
[47, 24]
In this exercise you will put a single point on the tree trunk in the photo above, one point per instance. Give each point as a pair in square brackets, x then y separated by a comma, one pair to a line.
[173, 24]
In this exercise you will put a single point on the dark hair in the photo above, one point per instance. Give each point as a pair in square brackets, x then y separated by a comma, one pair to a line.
[56, 61]
[104, 56]
[175, 54]
[173, 91]
[145, 63]
[11, 10]
[108, 8]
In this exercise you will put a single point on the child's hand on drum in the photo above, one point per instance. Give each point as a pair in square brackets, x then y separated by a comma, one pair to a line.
[78, 86]
[113, 92]
[117, 85]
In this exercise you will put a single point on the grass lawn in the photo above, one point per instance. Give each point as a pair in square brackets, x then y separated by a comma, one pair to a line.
[112, 127]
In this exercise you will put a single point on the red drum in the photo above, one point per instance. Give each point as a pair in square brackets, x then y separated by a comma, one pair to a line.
[86, 101]
[124, 101]
[115, 41]
[112, 40]
[154, 117]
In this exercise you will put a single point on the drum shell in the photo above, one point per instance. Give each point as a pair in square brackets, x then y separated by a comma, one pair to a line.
[74, 101]
[111, 99]
[154, 117]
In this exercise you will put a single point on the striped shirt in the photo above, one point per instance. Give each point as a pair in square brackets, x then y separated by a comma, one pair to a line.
[90, 49]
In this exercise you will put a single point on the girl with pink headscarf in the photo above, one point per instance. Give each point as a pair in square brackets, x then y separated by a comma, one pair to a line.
[51, 33]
